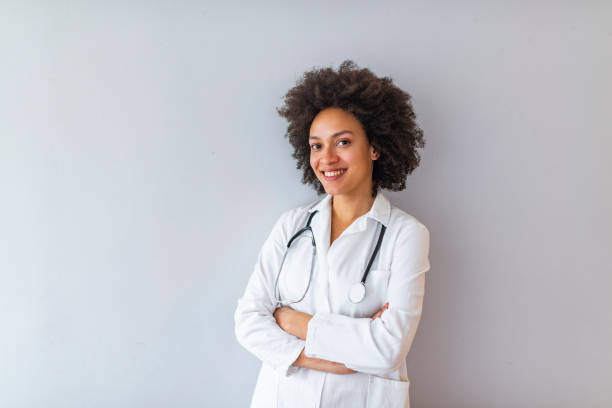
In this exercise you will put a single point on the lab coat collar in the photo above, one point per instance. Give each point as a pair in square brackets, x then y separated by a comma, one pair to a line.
[380, 211]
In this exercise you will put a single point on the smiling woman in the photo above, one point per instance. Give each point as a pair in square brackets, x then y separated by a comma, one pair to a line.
[381, 111]
[333, 304]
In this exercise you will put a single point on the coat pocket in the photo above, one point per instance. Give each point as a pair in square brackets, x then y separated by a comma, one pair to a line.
[295, 391]
[386, 393]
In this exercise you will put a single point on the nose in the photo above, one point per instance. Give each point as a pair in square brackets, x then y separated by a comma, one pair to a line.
[328, 155]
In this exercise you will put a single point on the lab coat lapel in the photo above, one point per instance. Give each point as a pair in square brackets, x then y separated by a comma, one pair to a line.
[380, 212]
[321, 228]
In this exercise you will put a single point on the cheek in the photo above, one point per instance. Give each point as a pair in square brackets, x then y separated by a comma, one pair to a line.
[352, 159]
[313, 165]
[358, 162]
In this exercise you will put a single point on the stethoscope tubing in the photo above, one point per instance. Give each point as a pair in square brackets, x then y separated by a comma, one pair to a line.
[314, 248]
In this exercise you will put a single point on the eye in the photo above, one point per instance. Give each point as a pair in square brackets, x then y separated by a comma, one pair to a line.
[313, 146]
[345, 140]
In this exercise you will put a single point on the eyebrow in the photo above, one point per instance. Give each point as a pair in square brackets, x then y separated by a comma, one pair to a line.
[334, 135]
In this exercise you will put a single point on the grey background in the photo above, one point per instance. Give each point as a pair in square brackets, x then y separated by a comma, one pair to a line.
[142, 165]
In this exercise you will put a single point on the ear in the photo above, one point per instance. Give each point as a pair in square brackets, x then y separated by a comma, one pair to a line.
[373, 153]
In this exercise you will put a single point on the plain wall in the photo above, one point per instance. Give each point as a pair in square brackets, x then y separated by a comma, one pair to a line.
[142, 165]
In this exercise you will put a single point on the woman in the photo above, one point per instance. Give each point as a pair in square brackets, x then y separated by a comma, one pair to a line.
[323, 340]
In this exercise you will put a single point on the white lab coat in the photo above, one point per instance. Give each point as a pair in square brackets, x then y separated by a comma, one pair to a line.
[339, 331]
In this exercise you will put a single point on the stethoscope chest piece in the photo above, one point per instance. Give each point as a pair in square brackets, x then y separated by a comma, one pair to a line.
[357, 292]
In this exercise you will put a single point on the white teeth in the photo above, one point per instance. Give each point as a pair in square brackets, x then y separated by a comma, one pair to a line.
[334, 173]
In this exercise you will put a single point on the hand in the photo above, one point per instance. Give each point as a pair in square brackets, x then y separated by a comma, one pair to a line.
[339, 368]
[322, 365]
[380, 311]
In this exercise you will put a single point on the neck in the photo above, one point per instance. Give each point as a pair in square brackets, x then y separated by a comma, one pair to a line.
[346, 209]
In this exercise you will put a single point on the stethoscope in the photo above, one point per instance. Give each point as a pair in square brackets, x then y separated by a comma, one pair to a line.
[356, 292]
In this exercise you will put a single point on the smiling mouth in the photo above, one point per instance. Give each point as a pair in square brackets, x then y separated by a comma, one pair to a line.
[332, 173]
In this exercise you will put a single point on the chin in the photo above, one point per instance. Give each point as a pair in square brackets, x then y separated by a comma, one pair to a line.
[333, 191]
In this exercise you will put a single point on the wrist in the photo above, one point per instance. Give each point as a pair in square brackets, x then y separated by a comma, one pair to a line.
[299, 361]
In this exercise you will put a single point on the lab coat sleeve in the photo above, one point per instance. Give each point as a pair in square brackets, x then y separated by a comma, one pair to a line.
[379, 345]
[255, 326]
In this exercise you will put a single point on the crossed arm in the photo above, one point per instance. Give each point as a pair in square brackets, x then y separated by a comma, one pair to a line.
[277, 336]
[296, 323]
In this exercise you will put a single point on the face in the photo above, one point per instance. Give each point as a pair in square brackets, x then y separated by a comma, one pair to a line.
[339, 144]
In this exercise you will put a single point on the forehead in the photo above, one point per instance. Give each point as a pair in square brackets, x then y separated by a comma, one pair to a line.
[331, 120]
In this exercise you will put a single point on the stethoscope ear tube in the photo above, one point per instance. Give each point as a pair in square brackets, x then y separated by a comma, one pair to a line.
[307, 227]
[380, 237]
[277, 294]
[358, 290]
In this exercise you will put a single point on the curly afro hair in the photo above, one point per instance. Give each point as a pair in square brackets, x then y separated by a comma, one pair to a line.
[383, 109]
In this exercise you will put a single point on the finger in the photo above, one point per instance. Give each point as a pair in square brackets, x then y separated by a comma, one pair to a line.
[378, 314]
[381, 310]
